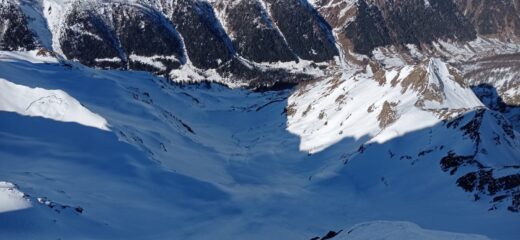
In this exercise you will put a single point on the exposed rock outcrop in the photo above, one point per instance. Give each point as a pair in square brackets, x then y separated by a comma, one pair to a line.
[502, 183]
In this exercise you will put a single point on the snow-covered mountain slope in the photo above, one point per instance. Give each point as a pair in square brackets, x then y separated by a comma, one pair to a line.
[403, 111]
[332, 110]
[376, 107]
[53, 104]
[202, 162]
[386, 230]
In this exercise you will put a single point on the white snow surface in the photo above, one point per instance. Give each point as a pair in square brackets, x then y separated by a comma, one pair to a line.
[388, 230]
[11, 199]
[456, 96]
[52, 104]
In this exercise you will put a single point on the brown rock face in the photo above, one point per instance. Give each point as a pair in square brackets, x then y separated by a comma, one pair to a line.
[388, 114]
[337, 12]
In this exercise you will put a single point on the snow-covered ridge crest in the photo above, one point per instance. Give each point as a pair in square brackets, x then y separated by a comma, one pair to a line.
[52, 104]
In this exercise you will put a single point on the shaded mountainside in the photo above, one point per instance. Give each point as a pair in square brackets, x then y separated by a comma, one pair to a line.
[254, 34]
[307, 33]
[161, 36]
[493, 17]
[14, 31]
[125, 36]
[403, 22]
[206, 43]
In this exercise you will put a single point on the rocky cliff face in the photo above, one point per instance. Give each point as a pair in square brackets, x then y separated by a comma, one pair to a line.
[337, 12]
[501, 183]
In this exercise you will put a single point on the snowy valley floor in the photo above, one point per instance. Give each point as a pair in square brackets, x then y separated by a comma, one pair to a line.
[142, 158]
